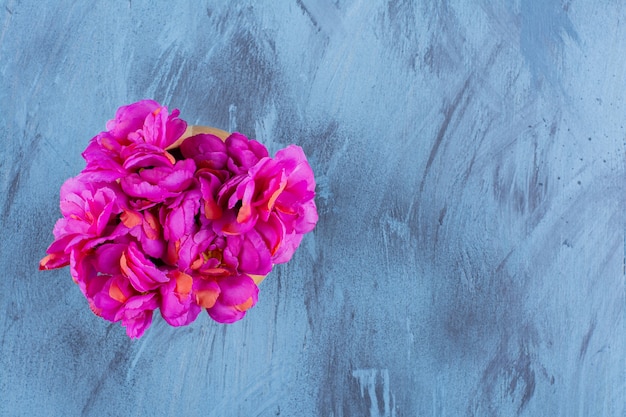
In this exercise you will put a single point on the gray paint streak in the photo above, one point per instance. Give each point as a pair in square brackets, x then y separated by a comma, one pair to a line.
[469, 258]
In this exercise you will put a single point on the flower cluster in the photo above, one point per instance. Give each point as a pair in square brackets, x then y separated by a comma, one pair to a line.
[163, 219]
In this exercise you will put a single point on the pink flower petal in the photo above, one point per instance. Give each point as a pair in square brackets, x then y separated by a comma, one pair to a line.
[237, 289]
[142, 273]
[178, 306]
[208, 151]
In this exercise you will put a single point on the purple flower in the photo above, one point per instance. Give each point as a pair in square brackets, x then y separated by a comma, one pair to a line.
[208, 151]
[243, 153]
[139, 130]
[164, 219]
[178, 304]
[160, 183]
[237, 294]
[114, 299]
[89, 218]
[146, 228]
[276, 198]
[142, 274]
[249, 253]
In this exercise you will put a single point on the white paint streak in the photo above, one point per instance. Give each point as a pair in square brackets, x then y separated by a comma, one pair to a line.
[142, 345]
[371, 379]
[411, 340]
[232, 118]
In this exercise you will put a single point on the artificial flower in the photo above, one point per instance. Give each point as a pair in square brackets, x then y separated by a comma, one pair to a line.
[178, 222]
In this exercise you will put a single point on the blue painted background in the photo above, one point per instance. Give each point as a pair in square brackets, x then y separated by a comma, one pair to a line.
[470, 159]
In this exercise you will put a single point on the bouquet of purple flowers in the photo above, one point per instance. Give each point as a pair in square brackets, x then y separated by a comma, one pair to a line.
[164, 217]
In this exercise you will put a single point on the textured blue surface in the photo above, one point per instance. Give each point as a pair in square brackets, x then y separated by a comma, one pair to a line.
[469, 258]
